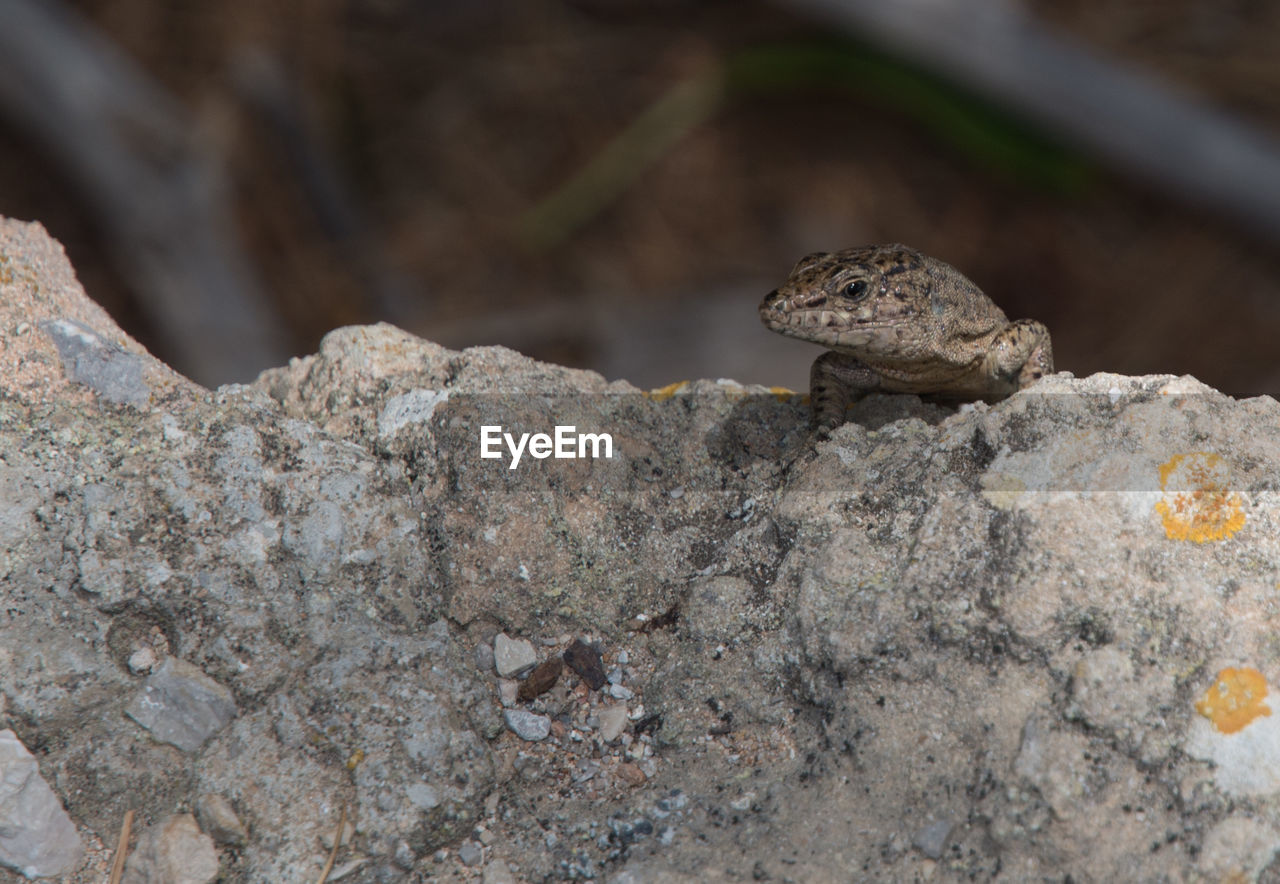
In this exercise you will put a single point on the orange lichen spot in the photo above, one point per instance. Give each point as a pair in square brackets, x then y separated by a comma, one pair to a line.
[782, 394]
[1197, 504]
[663, 393]
[1235, 699]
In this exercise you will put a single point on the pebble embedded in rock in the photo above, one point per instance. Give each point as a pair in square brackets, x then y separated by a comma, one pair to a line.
[932, 838]
[91, 359]
[508, 692]
[484, 657]
[470, 853]
[630, 774]
[37, 838]
[217, 817]
[142, 660]
[612, 721]
[527, 725]
[583, 659]
[511, 657]
[542, 679]
[497, 872]
[173, 851]
[181, 705]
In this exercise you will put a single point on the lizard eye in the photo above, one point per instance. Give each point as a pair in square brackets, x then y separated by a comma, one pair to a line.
[856, 290]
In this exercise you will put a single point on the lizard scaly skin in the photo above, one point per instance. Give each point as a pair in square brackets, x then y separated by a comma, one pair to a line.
[898, 321]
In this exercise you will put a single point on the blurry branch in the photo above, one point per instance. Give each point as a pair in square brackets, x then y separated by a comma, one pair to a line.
[1187, 149]
[1026, 82]
[262, 83]
[158, 192]
[990, 138]
[613, 170]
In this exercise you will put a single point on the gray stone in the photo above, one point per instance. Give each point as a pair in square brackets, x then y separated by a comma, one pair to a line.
[217, 817]
[508, 691]
[37, 838]
[470, 853]
[414, 407]
[181, 705]
[142, 660]
[613, 720]
[174, 851]
[483, 655]
[89, 359]
[932, 838]
[497, 872]
[527, 725]
[1019, 611]
[512, 657]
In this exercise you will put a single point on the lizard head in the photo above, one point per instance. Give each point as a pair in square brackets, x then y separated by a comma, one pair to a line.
[885, 302]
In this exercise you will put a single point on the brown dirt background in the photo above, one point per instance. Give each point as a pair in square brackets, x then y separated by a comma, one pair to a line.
[449, 121]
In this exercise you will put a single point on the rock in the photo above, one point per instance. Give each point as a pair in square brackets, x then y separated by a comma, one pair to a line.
[613, 719]
[217, 817]
[37, 838]
[470, 853]
[932, 838]
[483, 656]
[143, 660]
[1050, 617]
[630, 774]
[527, 725]
[513, 657]
[497, 872]
[1055, 763]
[583, 659]
[1239, 848]
[173, 852]
[181, 705]
[508, 692]
[103, 366]
[414, 407]
[542, 679]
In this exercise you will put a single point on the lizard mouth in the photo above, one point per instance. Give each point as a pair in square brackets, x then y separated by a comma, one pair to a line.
[824, 319]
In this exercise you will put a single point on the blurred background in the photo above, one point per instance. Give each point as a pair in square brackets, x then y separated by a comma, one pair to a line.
[615, 184]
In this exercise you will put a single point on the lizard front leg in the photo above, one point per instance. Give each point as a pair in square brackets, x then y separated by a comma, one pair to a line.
[1022, 353]
[837, 381]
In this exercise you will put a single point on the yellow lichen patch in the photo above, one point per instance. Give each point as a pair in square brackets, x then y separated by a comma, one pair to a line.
[664, 393]
[1235, 699]
[782, 394]
[1197, 504]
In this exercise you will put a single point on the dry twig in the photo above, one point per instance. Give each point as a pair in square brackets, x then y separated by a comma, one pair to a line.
[122, 849]
[337, 842]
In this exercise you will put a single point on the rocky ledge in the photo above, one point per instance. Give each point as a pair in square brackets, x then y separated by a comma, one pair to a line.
[308, 623]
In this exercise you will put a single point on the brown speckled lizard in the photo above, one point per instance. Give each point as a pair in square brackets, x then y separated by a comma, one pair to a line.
[898, 321]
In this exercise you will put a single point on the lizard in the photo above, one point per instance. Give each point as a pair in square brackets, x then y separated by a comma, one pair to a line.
[899, 321]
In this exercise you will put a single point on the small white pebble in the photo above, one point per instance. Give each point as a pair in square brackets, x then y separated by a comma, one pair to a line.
[142, 660]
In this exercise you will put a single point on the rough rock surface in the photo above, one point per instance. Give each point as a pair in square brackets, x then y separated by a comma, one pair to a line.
[1026, 640]
[36, 835]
